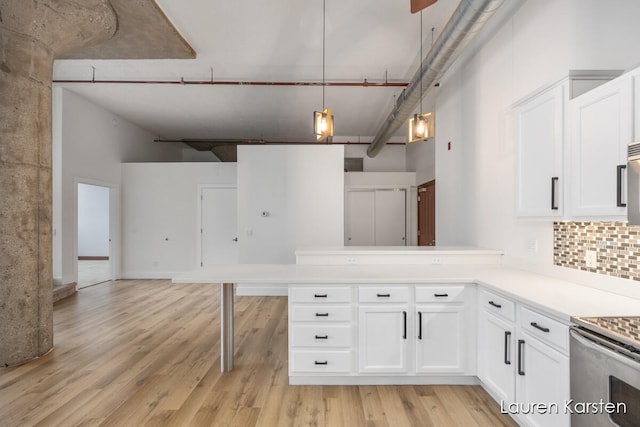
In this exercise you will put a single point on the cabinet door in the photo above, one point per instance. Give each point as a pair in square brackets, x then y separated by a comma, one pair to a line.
[382, 339]
[543, 378]
[497, 356]
[600, 129]
[440, 338]
[539, 145]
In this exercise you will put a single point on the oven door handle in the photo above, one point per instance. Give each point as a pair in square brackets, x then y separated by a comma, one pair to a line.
[593, 341]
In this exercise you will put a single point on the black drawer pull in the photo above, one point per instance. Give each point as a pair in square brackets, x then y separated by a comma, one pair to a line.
[383, 295]
[507, 347]
[440, 295]
[495, 305]
[322, 337]
[320, 295]
[541, 328]
[520, 357]
[321, 363]
[322, 314]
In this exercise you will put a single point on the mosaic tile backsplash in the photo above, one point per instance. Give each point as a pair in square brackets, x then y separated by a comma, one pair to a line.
[617, 246]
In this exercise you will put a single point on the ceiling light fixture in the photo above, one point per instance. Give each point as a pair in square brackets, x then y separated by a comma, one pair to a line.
[323, 120]
[421, 125]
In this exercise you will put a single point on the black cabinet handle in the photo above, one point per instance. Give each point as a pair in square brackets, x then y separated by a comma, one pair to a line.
[520, 356]
[322, 337]
[322, 314]
[495, 305]
[383, 295]
[440, 295]
[321, 363]
[541, 328]
[319, 295]
[404, 332]
[554, 205]
[507, 347]
[620, 171]
[419, 325]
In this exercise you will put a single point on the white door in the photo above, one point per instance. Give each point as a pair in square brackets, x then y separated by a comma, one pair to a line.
[360, 227]
[497, 356]
[440, 339]
[390, 218]
[382, 336]
[219, 238]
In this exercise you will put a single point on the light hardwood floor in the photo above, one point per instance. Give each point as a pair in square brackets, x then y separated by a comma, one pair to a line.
[146, 352]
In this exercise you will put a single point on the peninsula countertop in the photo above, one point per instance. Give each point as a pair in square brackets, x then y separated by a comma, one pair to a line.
[559, 298]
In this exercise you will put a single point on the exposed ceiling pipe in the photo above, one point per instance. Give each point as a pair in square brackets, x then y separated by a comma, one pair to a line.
[364, 83]
[466, 22]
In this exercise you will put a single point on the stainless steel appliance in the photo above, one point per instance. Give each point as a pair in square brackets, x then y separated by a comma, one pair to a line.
[605, 372]
[633, 184]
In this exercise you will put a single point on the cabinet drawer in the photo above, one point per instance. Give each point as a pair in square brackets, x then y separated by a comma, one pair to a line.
[321, 336]
[440, 293]
[383, 294]
[313, 313]
[497, 304]
[320, 294]
[320, 361]
[546, 329]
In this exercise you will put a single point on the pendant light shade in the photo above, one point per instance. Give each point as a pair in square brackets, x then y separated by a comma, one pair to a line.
[323, 124]
[421, 127]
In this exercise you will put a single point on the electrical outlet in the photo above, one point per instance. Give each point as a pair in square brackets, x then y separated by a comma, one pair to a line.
[532, 246]
[591, 258]
[436, 261]
[351, 260]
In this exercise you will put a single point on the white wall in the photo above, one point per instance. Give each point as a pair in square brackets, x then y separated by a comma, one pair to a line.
[89, 143]
[421, 159]
[93, 220]
[302, 190]
[540, 44]
[392, 158]
[160, 215]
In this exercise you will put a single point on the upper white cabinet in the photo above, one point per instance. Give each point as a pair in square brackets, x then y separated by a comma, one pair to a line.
[601, 127]
[539, 125]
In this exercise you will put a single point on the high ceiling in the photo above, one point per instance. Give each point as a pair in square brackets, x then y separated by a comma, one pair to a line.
[274, 41]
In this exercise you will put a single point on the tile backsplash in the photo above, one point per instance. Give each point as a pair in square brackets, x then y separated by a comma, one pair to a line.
[616, 246]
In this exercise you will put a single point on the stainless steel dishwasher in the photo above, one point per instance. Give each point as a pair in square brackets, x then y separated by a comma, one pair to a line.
[605, 372]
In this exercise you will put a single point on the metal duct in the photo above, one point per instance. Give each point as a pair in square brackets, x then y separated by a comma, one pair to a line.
[466, 22]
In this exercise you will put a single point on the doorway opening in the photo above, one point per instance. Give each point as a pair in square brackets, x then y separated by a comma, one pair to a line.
[94, 257]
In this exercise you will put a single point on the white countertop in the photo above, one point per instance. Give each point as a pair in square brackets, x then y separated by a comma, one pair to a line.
[556, 297]
[394, 250]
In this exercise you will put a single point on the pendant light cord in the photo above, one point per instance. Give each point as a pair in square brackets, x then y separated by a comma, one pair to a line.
[421, 76]
[324, 3]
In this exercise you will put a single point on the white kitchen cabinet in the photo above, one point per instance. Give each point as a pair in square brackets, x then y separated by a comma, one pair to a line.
[523, 360]
[542, 377]
[440, 338]
[496, 349]
[382, 339]
[539, 133]
[601, 127]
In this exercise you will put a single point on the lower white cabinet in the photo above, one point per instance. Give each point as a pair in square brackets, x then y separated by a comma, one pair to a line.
[523, 361]
[382, 339]
[441, 337]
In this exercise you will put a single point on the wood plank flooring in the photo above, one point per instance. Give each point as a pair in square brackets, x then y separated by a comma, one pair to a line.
[146, 353]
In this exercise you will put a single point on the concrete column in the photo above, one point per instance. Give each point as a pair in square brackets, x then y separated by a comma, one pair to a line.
[32, 34]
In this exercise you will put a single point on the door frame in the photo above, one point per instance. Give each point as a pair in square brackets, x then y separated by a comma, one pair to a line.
[199, 216]
[115, 244]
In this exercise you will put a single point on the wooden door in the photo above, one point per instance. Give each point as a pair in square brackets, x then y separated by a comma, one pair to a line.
[427, 214]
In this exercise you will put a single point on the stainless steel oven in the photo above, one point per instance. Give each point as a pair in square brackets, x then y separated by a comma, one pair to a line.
[605, 372]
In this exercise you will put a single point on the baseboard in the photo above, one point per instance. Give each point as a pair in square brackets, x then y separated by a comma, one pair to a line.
[272, 290]
[382, 380]
[93, 258]
[63, 291]
[150, 275]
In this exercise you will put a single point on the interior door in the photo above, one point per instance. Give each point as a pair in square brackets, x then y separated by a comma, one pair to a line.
[390, 218]
[219, 239]
[360, 227]
[427, 214]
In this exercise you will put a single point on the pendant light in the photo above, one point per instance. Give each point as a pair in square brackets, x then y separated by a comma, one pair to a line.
[323, 120]
[421, 125]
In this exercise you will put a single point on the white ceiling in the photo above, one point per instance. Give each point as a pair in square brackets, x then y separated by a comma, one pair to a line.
[268, 41]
